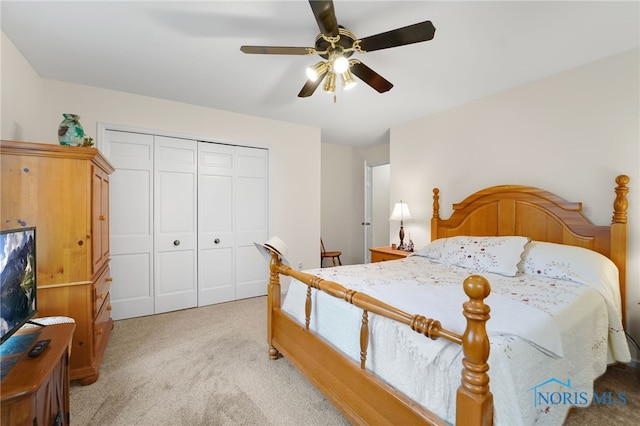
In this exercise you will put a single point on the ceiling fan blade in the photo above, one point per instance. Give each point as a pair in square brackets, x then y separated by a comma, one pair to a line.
[415, 33]
[311, 86]
[277, 50]
[325, 17]
[371, 77]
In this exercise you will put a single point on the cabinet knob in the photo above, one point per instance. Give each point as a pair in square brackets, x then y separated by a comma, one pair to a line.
[109, 308]
[102, 217]
[109, 280]
[176, 243]
[101, 296]
[99, 331]
[217, 241]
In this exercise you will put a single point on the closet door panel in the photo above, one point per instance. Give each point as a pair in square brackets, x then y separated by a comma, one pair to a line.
[215, 282]
[185, 215]
[250, 278]
[251, 207]
[216, 239]
[131, 224]
[175, 224]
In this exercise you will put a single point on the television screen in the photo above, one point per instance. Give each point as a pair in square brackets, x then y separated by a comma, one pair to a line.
[17, 279]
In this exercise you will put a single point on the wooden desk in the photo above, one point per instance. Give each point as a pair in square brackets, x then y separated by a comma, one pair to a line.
[36, 390]
[381, 254]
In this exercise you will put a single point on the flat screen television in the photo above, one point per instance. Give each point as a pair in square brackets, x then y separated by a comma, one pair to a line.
[18, 296]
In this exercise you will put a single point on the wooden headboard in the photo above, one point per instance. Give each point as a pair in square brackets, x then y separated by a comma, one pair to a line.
[541, 216]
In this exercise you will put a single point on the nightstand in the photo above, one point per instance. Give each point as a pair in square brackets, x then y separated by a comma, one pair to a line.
[380, 254]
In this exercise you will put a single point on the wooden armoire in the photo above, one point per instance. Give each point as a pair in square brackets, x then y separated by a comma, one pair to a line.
[64, 192]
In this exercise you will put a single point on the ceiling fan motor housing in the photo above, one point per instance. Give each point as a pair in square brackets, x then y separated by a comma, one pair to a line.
[345, 40]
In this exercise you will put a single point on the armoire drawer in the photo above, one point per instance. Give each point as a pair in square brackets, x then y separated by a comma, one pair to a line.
[103, 323]
[101, 290]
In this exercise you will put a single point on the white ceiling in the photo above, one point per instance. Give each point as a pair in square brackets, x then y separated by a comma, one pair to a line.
[190, 52]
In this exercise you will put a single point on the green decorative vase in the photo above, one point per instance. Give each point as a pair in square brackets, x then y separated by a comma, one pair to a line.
[70, 131]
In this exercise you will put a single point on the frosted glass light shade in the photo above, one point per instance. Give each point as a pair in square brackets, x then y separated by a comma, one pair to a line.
[340, 64]
[347, 80]
[330, 82]
[316, 71]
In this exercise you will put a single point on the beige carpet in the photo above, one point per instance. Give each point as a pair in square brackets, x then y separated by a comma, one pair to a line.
[209, 366]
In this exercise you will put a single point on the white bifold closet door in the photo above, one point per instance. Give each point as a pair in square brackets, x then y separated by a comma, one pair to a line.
[232, 214]
[184, 217]
[176, 224]
[132, 230]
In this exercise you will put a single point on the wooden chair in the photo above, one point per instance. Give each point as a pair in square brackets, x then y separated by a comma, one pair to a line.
[333, 255]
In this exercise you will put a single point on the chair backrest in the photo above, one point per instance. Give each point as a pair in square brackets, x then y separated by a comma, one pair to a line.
[322, 246]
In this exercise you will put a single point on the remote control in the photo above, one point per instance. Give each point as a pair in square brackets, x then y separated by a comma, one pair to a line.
[38, 348]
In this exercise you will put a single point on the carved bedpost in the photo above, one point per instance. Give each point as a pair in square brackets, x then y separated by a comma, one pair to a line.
[436, 214]
[273, 300]
[474, 399]
[620, 204]
[619, 238]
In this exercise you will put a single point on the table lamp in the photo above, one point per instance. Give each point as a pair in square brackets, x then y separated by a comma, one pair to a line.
[401, 212]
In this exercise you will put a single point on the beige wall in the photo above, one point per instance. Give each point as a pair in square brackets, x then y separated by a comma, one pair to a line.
[343, 197]
[32, 109]
[571, 133]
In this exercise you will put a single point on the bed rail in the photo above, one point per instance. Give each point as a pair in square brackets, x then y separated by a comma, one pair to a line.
[474, 399]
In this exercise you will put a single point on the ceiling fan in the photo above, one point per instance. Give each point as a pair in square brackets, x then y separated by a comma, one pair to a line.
[335, 44]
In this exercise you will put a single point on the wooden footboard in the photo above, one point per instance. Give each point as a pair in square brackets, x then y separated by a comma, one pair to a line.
[361, 396]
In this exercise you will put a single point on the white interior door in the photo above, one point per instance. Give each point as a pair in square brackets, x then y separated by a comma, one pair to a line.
[380, 205]
[175, 224]
[232, 215]
[131, 224]
[184, 216]
[216, 242]
[366, 222]
[376, 207]
[251, 219]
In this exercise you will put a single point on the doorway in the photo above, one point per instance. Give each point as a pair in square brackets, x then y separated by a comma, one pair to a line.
[376, 206]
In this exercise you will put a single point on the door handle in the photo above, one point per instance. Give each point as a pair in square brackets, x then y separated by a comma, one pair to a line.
[217, 241]
[176, 243]
[366, 223]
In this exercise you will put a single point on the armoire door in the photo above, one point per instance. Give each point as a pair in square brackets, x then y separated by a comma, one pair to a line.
[175, 222]
[131, 224]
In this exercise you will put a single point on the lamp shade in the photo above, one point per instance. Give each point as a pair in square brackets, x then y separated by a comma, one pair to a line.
[400, 212]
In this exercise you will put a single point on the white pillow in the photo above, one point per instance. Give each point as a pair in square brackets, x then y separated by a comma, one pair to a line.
[498, 255]
[569, 263]
[433, 250]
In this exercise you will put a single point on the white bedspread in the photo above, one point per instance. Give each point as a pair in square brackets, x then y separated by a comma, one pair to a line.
[540, 328]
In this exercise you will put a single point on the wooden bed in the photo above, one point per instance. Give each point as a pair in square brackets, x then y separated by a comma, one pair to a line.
[497, 211]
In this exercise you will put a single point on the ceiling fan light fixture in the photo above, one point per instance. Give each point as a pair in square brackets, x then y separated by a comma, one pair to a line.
[317, 70]
[330, 82]
[340, 64]
[347, 80]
